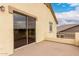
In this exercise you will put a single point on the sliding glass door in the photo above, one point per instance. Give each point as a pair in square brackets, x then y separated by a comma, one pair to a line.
[24, 29]
[31, 29]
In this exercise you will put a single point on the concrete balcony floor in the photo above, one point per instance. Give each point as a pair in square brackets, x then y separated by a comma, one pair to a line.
[47, 48]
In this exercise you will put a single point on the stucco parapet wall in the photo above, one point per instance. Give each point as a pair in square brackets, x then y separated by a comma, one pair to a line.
[77, 38]
[62, 40]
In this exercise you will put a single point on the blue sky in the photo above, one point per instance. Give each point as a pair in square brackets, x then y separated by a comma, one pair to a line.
[63, 7]
[66, 13]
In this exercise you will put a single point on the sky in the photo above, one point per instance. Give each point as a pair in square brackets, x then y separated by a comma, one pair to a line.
[66, 13]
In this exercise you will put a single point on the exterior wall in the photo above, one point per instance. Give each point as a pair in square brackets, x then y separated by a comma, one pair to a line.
[6, 32]
[69, 33]
[77, 38]
[63, 40]
[40, 11]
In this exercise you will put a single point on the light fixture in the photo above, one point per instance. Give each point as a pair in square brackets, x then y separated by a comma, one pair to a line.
[2, 8]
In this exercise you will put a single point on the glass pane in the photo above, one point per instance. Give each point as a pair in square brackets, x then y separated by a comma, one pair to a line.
[19, 21]
[31, 23]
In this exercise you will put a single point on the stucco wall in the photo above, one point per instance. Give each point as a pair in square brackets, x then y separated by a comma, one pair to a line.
[63, 40]
[43, 15]
[77, 38]
[6, 32]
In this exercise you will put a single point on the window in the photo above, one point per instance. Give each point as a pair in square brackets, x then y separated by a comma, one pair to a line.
[58, 36]
[62, 36]
[50, 26]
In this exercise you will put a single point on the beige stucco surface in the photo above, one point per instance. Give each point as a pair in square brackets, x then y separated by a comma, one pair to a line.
[63, 40]
[40, 11]
[77, 39]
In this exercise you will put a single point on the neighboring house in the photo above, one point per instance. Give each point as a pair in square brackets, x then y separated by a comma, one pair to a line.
[22, 24]
[67, 31]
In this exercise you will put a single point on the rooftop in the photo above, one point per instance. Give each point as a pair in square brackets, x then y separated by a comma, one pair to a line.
[47, 48]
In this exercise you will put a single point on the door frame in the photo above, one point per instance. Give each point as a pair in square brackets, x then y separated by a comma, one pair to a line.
[11, 11]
